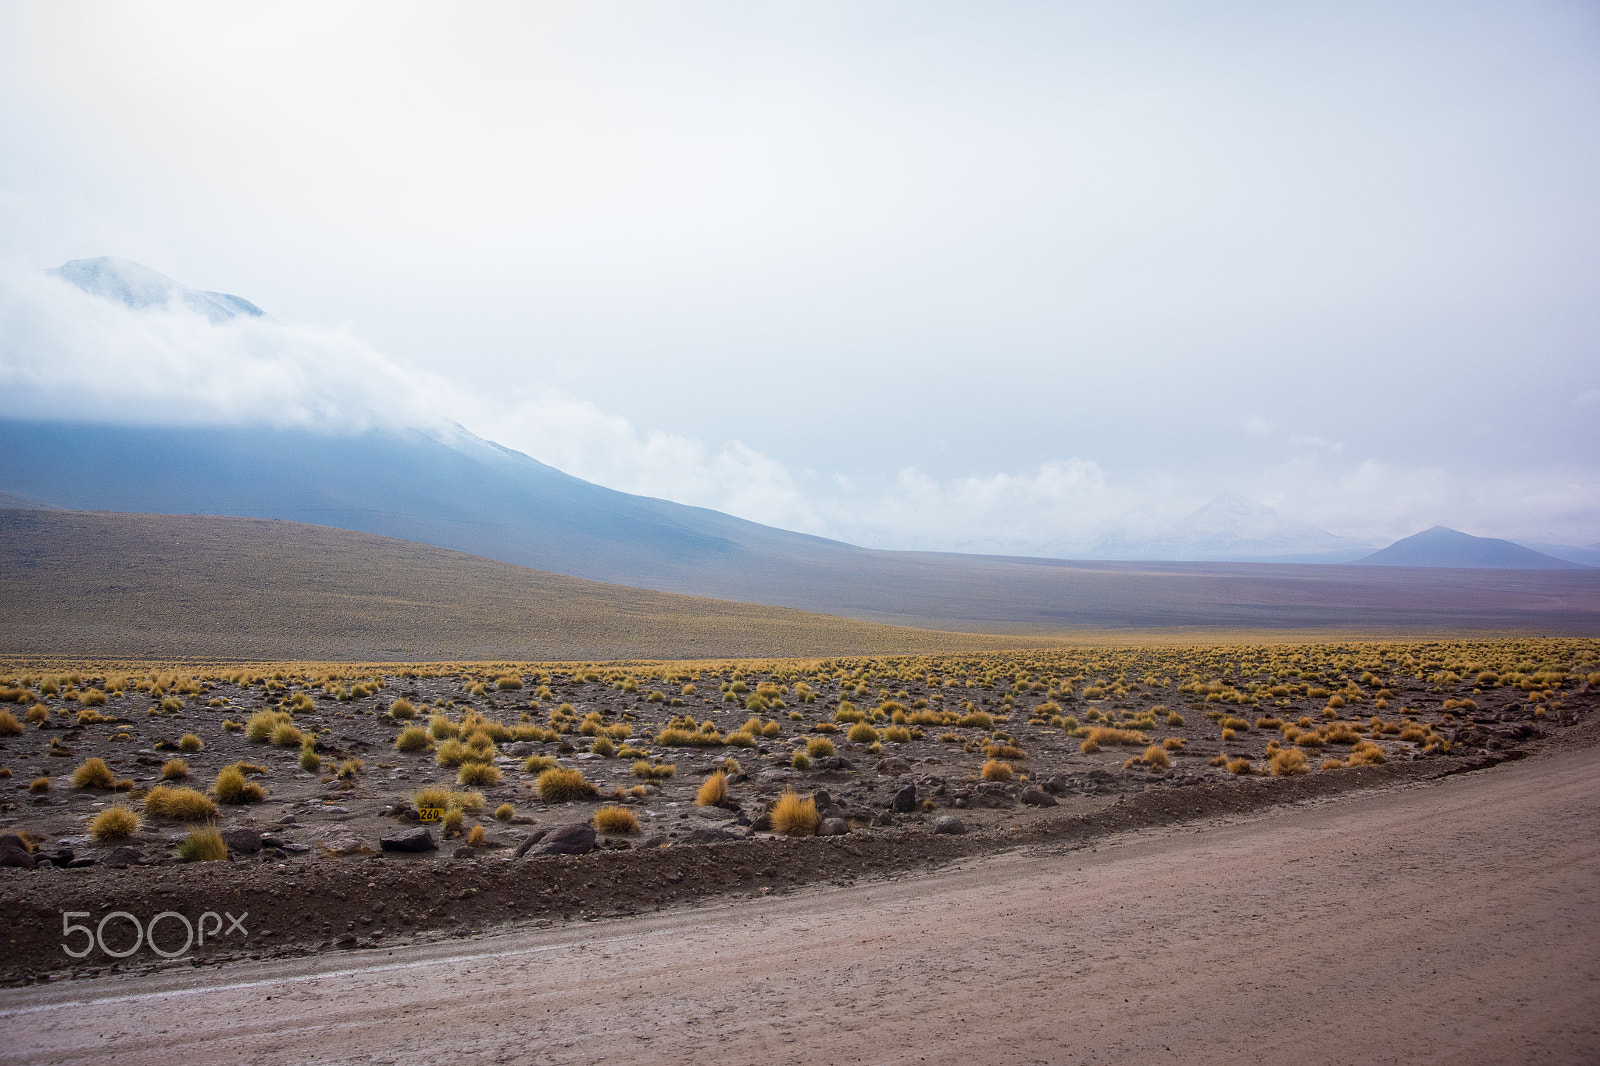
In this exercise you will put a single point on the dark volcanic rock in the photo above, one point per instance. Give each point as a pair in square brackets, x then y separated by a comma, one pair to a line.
[1033, 797]
[905, 801]
[126, 855]
[833, 827]
[949, 824]
[242, 841]
[412, 840]
[567, 840]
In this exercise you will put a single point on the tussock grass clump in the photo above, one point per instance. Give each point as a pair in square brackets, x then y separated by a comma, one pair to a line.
[713, 791]
[1367, 753]
[174, 770]
[230, 787]
[442, 728]
[976, 720]
[862, 733]
[39, 784]
[1288, 762]
[1173, 743]
[996, 770]
[616, 820]
[1157, 756]
[285, 735]
[508, 683]
[653, 771]
[1103, 735]
[261, 725]
[451, 754]
[795, 817]
[477, 838]
[1242, 766]
[402, 709]
[9, 726]
[535, 764]
[819, 747]
[562, 785]
[114, 823]
[94, 773]
[37, 713]
[800, 760]
[413, 738]
[179, 804]
[478, 773]
[505, 812]
[1004, 750]
[190, 743]
[204, 844]
[349, 769]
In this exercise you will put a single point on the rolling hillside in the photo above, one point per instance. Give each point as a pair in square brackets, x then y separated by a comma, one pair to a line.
[158, 586]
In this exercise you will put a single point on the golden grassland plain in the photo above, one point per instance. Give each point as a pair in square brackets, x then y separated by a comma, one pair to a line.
[555, 739]
[782, 762]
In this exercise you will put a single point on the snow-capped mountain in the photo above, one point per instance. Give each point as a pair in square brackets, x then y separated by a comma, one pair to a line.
[136, 285]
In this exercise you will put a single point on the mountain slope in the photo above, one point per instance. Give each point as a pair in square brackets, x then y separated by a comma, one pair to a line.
[1442, 546]
[161, 586]
[470, 496]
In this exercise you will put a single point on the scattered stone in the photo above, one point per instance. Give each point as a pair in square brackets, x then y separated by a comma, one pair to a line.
[464, 852]
[125, 855]
[1034, 797]
[529, 841]
[78, 864]
[412, 840]
[948, 825]
[340, 840]
[883, 818]
[905, 801]
[567, 840]
[711, 835]
[894, 766]
[833, 827]
[242, 840]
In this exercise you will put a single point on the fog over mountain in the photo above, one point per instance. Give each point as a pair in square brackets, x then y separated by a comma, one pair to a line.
[122, 344]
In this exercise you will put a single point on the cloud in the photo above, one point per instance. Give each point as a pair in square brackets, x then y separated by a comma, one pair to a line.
[1257, 426]
[66, 354]
[70, 355]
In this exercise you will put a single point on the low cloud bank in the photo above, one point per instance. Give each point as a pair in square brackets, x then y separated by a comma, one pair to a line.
[66, 354]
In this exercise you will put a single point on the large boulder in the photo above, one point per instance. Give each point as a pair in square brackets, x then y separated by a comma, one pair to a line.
[949, 824]
[412, 840]
[530, 841]
[905, 801]
[567, 840]
[242, 840]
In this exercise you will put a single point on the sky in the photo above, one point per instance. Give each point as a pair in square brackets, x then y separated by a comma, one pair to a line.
[992, 277]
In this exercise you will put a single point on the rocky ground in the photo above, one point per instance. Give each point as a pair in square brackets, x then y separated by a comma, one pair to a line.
[323, 860]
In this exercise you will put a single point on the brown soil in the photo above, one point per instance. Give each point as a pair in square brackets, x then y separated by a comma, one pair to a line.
[1446, 921]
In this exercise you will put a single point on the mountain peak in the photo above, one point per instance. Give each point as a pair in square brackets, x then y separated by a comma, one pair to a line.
[139, 287]
[1441, 546]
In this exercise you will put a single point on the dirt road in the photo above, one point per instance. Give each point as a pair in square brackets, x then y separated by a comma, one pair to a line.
[1455, 921]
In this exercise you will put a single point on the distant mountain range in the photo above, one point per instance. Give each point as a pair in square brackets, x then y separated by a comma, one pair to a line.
[1442, 546]
[1234, 528]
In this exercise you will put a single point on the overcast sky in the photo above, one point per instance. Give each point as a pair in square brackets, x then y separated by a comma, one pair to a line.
[985, 276]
